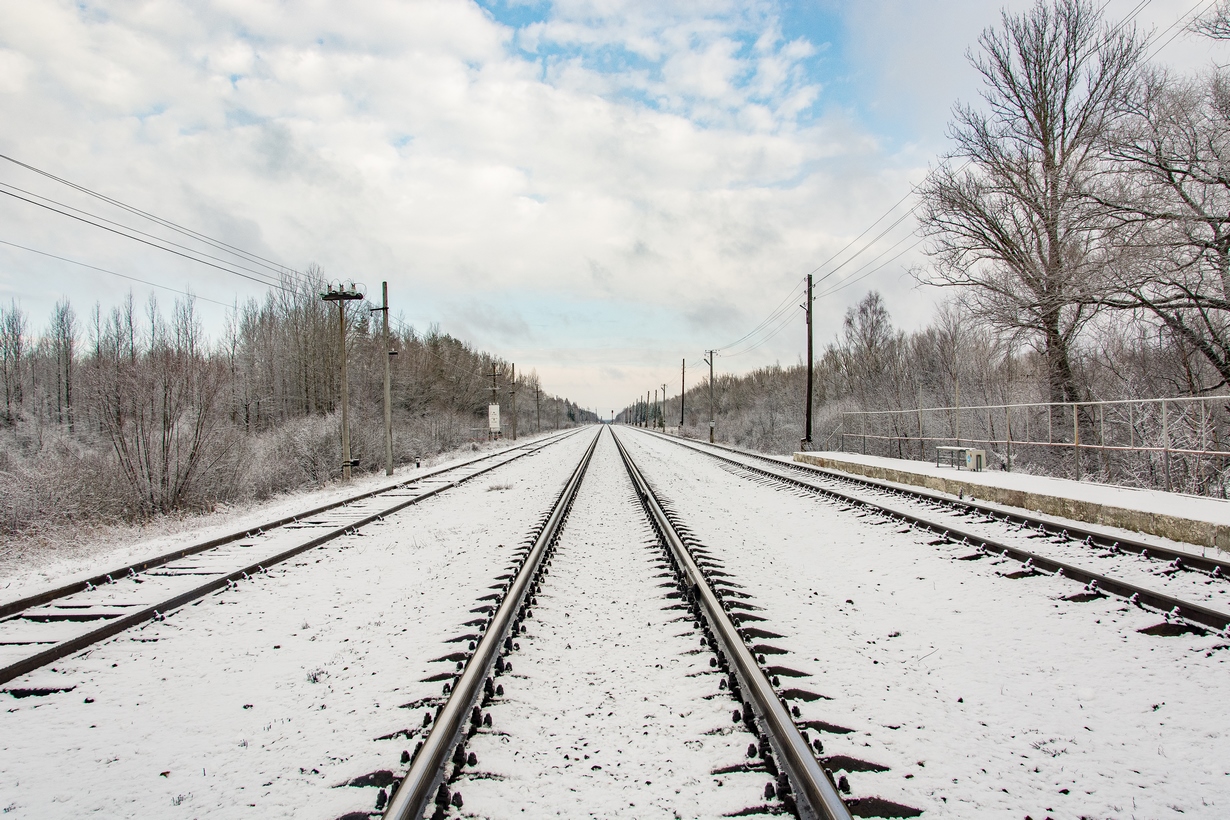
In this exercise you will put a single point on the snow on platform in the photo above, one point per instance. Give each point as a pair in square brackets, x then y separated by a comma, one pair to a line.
[1186, 518]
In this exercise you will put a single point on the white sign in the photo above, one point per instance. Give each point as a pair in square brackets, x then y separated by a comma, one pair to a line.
[493, 417]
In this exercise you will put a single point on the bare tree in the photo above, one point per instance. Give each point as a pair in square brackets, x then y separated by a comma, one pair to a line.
[12, 351]
[1013, 221]
[1173, 205]
[1214, 23]
[64, 348]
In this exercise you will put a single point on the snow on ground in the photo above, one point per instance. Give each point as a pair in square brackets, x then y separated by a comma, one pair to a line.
[27, 567]
[1195, 507]
[612, 709]
[261, 700]
[985, 696]
[1190, 586]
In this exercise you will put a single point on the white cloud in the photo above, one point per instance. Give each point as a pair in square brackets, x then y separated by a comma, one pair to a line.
[619, 186]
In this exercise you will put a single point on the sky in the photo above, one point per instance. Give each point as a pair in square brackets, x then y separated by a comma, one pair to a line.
[595, 190]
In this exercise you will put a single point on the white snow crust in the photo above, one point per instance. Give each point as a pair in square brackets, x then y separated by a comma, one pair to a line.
[985, 696]
[612, 708]
[259, 701]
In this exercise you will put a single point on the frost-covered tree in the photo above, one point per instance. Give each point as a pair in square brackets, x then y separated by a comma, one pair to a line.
[1008, 215]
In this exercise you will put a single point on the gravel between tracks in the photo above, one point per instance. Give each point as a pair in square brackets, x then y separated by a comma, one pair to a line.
[612, 709]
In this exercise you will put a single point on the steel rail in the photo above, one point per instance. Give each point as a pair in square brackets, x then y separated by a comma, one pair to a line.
[160, 610]
[1173, 607]
[414, 793]
[47, 596]
[816, 796]
[1187, 560]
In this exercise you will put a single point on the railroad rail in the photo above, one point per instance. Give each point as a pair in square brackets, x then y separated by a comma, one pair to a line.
[50, 622]
[1171, 606]
[814, 792]
[804, 787]
[423, 782]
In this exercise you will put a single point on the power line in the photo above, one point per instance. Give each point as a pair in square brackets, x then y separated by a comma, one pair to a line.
[115, 273]
[783, 305]
[271, 280]
[219, 244]
[142, 241]
[1202, 5]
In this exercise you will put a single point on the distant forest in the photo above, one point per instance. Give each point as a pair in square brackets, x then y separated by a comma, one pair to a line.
[131, 412]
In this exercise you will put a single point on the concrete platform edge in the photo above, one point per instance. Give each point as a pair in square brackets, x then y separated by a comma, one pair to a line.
[1191, 531]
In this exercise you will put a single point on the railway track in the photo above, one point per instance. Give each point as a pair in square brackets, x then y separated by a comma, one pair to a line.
[39, 629]
[487, 713]
[992, 531]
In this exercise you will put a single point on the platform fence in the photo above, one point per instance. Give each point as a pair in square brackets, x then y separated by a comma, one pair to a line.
[1180, 444]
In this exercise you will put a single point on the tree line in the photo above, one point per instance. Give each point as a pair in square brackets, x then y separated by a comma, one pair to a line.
[1081, 223]
[131, 412]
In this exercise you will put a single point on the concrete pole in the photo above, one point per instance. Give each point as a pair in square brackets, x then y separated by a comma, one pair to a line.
[388, 384]
[341, 339]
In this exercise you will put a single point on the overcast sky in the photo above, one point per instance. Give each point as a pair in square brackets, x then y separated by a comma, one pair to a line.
[594, 189]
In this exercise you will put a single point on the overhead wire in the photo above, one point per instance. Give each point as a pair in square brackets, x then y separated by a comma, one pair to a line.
[276, 282]
[144, 241]
[217, 243]
[117, 273]
[783, 305]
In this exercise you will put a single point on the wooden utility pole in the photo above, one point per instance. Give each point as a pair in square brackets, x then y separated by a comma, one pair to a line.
[664, 407]
[342, 296]
[807, 416]
[537, 409]
[512, 391]
[683, 388]
[388, 381]
[709, 361]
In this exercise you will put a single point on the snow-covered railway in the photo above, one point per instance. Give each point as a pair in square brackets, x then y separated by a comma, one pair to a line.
[605, 717]
[964, 688]
[624, 626]
[39, 629]
[1191, 589]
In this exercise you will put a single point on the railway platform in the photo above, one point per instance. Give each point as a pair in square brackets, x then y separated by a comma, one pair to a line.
[1188, 519]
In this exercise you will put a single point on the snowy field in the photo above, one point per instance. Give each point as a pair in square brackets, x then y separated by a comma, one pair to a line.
[933, 682]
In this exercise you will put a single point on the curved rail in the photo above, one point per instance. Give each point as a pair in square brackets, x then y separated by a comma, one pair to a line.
[419, 786]
[1173, 607]
[815, 793]
[142, 614]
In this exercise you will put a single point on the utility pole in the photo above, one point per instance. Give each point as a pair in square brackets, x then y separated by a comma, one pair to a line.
[683, 388]
[342, 296]
[537, 410]
[647, 413]
[709, 361]
[512, 391]
[664, 407]
[807, 415]
[388, 381]
[493, 409]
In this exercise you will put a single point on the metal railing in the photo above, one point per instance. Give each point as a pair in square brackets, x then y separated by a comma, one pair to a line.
[1180, 443]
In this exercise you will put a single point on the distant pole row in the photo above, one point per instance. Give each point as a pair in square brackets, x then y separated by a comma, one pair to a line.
[643, 412]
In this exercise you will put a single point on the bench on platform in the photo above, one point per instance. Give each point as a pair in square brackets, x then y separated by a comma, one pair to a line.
[973, 459]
